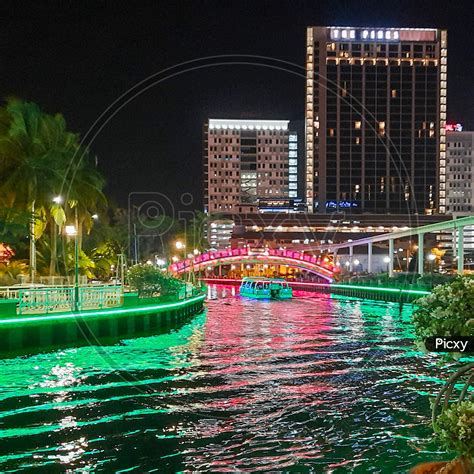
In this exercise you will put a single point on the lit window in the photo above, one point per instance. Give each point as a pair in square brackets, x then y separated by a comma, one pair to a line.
[394, 93]
[380, 34]
[372, 35]
[388, 35]
[382, 128]
[395, 35]
[358, 124]
[365, 34]
[352, 34]
[331, 132]
[344, 33]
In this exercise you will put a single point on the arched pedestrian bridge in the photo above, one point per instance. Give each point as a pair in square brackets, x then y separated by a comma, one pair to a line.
[309, 263]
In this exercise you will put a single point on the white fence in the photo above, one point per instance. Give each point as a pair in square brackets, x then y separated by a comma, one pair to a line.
[61, 299]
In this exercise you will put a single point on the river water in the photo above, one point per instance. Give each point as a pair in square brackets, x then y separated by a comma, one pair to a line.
[315, 384]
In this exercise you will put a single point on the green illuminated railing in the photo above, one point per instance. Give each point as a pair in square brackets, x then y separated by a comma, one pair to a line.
[61, 299]
[381, 289]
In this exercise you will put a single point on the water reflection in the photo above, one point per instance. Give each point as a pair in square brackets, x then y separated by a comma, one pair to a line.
[313, 384]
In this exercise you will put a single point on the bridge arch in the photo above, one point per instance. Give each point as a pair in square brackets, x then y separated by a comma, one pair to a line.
[309, 263]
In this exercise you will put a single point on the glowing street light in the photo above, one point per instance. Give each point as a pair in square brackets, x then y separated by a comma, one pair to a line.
[386, 259]
[58, 199]
[179, 245]
[196, 252]
[71, 230]
[95, 216]
[431, 258]
[175, 259]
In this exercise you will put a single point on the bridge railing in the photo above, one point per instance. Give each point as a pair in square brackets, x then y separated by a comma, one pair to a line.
[61, 299]
[211, 257]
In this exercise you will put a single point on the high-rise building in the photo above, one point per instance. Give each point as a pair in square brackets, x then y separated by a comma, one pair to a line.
[460, 173]
[375, 120]
[248, 160]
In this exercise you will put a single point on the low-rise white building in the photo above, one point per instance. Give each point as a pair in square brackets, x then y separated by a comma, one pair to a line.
[460, 173]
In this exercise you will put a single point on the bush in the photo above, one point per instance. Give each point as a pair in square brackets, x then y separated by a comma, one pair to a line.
[454, 428]
[447, 311]
[10, 272]
[151, 281]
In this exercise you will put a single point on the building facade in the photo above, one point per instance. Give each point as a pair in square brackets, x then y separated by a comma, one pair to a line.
[375, 120]
[460, 173]
[248, 160]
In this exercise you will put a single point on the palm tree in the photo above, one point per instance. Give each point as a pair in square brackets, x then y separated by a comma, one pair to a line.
[26, 170]
[40, 159]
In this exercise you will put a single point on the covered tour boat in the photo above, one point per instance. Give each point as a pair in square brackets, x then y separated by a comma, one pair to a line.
[265, 288]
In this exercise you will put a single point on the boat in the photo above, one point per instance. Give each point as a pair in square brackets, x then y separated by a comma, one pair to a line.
[265, 288]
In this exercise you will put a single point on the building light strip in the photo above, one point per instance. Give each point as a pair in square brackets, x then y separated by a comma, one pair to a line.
[224, 124]
[309, 123]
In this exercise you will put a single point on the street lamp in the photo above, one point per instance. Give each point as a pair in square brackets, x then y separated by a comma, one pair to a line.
[180, 246]
[71, 231]
[356, 264]
[387, 261]
[431, 258]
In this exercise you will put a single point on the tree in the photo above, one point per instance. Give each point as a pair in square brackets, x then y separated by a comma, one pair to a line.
[151, 281]
[41, 159]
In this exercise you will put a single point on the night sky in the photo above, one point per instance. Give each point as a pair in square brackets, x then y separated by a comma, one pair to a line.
[79, 57]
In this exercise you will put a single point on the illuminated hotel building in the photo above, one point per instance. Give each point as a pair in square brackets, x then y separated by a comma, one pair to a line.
[375, 120]
[460, 173]
[248, 160]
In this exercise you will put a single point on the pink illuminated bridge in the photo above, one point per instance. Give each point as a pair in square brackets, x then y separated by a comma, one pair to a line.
[294, 259]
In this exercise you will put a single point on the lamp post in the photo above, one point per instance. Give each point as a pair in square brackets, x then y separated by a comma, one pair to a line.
[348, 265]
[387, 261]
[431, 258]
[71, 231]
[356, 265]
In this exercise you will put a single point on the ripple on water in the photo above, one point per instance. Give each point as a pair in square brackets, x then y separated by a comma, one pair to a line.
[313, 384]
